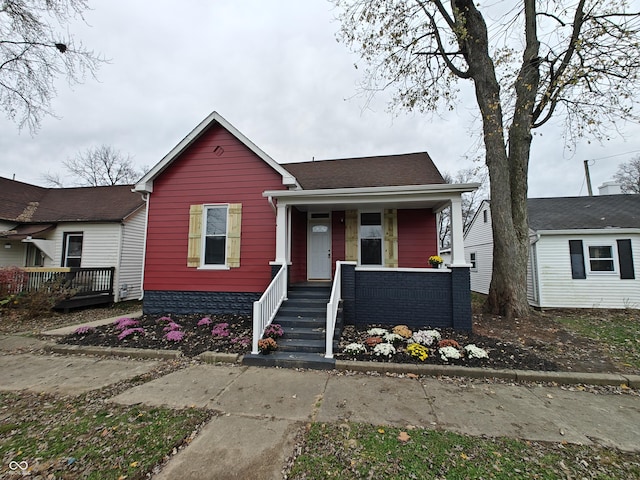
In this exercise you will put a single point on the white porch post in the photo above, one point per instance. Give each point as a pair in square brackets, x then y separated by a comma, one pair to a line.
[457, 240]
[281, 234]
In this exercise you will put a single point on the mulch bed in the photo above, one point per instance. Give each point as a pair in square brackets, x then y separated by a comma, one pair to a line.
[198, 339]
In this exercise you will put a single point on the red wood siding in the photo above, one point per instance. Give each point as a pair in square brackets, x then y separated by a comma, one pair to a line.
[298, 271]
[417, 238]
[200, 176]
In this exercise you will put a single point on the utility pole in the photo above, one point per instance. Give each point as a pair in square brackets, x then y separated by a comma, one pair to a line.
[586, 173]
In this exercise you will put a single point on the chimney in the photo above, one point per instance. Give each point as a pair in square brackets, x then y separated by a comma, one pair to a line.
[609, 188]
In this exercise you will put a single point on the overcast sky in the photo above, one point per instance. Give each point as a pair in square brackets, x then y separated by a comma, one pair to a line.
[275, 71]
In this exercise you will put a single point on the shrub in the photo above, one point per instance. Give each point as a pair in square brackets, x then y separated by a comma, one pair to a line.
[377, 332]
[125, 322]
[220, 330]
[426, 337]
[475, 352]
[384, 349]
[372, 341]
[12, 281]
[403, 331]
[393, 338]
[355, 348]
[130, 331]
[83, 330]
[203, 322]
[174, 335]
[449, 352]
[172, 327]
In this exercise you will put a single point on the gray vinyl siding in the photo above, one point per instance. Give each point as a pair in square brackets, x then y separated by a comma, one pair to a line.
[131, 257]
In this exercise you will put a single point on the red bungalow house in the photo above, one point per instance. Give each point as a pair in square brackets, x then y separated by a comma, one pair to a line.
[228, 226]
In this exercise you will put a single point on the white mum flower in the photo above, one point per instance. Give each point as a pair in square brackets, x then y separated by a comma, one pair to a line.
[426, 337]
[392, 337]
[385, 349]
[377, 332]
[354, 348]
[447, 353]
[476, 352]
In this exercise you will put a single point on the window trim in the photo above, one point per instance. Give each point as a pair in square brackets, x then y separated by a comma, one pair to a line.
[382, 247]
[614, 256]
[65, 248]
[203, 238]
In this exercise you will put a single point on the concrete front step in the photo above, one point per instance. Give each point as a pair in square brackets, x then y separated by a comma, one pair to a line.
[295, 321]
[302, 332]
[290, 360]
[301, 345]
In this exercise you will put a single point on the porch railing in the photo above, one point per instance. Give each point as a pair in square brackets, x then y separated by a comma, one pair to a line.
[332, 310]
[80, 281]
[265, 309]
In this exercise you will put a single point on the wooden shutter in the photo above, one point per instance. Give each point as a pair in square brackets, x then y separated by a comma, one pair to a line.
[195, 236]
[625, 257]
[576, 253]
[391, 238]
[351, 235]
[233, 235]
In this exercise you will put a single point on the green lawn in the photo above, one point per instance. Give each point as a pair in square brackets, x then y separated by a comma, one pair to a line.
[357, 451]
[75, 437]
[618, 331]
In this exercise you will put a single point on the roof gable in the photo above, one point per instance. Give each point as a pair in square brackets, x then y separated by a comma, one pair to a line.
[145, 184]
[24, 203]
[378, 171]
[571, 213]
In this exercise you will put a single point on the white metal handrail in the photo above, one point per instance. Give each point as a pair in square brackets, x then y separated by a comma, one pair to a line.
[265, 309]
[332, 310]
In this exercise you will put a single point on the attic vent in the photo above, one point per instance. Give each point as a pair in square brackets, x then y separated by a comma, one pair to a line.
[218, 150]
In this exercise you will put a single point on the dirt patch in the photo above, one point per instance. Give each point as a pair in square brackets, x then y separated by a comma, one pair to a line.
[543, 334]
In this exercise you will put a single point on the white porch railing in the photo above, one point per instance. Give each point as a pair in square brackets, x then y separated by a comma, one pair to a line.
[265, 309]
[332, 309]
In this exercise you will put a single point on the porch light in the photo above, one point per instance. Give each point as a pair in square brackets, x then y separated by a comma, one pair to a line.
[7, 245]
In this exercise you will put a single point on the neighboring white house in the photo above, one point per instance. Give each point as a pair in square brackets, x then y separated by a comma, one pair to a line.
[585, 251]
[86, 227]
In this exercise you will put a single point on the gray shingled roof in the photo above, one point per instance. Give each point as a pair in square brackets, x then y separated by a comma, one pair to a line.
[25, 203]
[380, 171]
[571, 213]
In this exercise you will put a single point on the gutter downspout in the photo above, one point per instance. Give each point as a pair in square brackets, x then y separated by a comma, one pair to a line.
[145, 197]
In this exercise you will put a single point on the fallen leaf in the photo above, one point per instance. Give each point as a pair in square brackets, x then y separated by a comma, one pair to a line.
[549, 395]
[464, 456]
[381, 430]
[412, 375]
[404, 437]
[133, 464]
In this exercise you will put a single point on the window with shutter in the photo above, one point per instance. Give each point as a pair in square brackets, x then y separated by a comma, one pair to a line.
[214, 236]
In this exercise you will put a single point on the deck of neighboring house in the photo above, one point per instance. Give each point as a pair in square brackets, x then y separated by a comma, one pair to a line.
[79, 287]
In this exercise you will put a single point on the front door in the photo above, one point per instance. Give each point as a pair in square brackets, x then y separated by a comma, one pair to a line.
[319, 258]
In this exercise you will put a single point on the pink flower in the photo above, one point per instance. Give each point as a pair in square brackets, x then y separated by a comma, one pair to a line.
[220, 330]
[130, 331]
[124, 323]
[172, 326]
[174, 336]
[84, 330]
[204, 322]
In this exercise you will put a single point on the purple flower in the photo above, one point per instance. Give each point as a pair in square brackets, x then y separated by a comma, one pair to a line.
[242, 341]
[84, 330]
[174, 335]
[124, 323]
[220, 330]
[172, 326]
[273, 331]
[204, 322]
[130, 331]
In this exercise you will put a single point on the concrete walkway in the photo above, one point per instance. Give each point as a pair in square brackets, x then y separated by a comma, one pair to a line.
[260, 411]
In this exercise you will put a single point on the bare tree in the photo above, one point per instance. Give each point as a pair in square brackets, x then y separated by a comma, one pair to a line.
[470, 201]
[35, 49]
[628, 175]
[98, 166]
[574, 60]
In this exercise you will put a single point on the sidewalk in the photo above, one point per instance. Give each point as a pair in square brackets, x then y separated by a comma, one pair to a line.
[261, 410]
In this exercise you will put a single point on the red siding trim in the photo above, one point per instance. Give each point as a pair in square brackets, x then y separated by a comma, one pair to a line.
[200, 176]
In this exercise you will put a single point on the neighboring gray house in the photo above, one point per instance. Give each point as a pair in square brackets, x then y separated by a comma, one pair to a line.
[52, 230]
[585, 251]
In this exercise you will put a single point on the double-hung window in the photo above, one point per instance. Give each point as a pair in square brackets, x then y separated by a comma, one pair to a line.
[72, 250]
[601, 258]
[371, 238]
[215, 235]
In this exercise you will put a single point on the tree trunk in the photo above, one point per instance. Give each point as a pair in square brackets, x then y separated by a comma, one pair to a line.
[507, 292]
